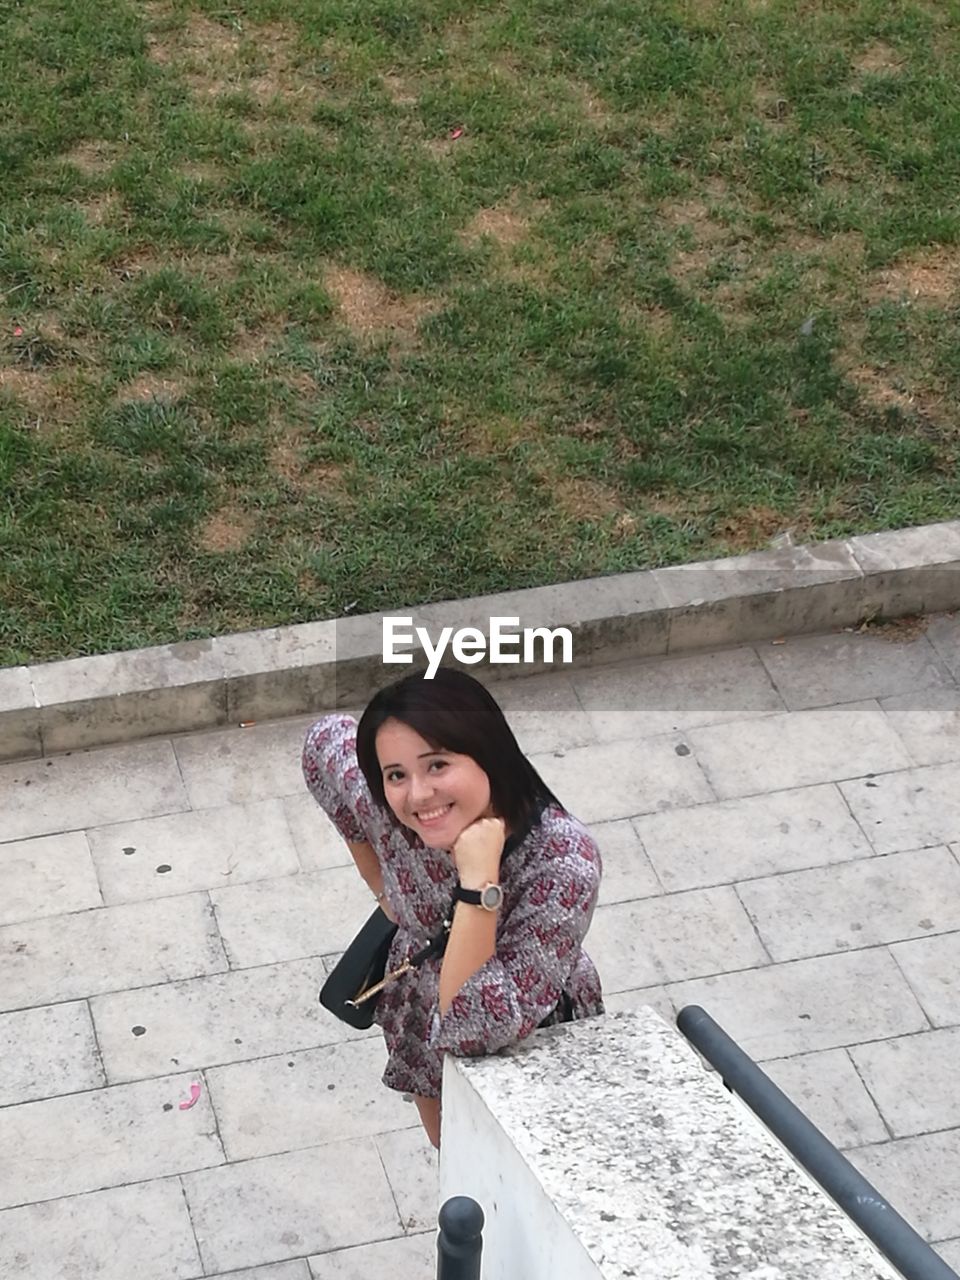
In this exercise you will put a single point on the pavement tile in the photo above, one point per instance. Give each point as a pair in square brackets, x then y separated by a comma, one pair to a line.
[643, 699]
[641, 998]
[318, 843]
[68, 957]
[306, 1099]
[657, 940]
[412, 1258]
[46, 1052]
[944, 634]
[913, 1080]
[620, 779]
[817, 671]
[756, 836]
[413, 1171]
[798, 749]
[160, 857]
[286, 919]
[932, 967]
[142, 1230]
[305, 1202]
[544, 712]
[88, 789]
[908, 810]
[928, 723]
[921, 1179]
[806, 1005]
[855, 904]
[250, 1013]
[826, 1088]
[105, 1138]
[46, 876]
[230, 766]
[627, 872]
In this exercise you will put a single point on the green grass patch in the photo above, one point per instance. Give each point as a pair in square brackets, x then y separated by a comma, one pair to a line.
[323, 306]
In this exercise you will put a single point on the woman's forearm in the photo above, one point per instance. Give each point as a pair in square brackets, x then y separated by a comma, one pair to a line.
[472, 942]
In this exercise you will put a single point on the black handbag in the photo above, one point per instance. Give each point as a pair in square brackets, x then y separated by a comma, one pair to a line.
[361, 966]
[352, 990]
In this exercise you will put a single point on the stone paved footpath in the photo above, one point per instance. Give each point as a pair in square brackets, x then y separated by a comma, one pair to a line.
[781, 832]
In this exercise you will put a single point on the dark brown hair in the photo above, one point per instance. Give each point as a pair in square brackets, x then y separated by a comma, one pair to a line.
[454, 712]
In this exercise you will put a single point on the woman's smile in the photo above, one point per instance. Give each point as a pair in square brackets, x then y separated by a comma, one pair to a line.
[429, 817]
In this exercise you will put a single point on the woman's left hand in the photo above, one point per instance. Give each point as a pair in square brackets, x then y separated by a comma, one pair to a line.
[477, 852]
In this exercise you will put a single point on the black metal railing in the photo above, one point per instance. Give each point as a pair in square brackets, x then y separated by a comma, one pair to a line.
[460, 1241]
[879, 1222]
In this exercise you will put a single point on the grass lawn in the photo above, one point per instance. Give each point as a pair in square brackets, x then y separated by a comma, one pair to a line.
[319, 306]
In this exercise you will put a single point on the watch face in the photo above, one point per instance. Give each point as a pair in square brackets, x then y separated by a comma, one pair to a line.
[491, 897]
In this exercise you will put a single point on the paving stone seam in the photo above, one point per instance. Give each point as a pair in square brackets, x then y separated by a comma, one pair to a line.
[903, 973]
[905, 1138]
[193, 1229]
[228, 1164]
[282, 670]
[662, 890]
[222, 1065]
[753, 924]
[866, 1088]
[96, 1043]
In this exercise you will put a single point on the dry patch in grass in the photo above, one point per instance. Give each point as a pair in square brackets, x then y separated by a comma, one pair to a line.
[93, 156]
[754, 527]
[32, 388]
[148, 386]
[99, 209]
[506, 225]
[584, 499]
[707, 233]
[400, 90]
[371, 311]
[879, 392]
[215, 59]
[227, 530]
[877, 59]
[287, 462]
[932, 277]
[591, 104]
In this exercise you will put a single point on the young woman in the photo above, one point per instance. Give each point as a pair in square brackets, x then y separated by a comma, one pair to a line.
[446, 819]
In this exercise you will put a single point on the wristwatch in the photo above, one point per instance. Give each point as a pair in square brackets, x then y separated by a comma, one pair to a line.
[489, 897]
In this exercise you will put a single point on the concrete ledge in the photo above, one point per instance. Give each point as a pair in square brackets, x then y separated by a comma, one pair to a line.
[115, 697]
[604, 1149]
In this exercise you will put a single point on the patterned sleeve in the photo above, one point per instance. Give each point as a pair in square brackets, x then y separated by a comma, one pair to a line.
[333, 776]
[538, 947]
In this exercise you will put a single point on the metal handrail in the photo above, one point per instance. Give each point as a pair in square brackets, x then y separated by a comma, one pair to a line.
[907, 1251]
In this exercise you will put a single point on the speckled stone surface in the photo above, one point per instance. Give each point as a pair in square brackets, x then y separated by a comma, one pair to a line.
[655, 1169]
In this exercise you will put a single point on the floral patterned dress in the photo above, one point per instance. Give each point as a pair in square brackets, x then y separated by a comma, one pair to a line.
[550, 880]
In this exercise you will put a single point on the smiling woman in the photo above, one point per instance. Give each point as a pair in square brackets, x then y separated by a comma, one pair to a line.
[447, 820]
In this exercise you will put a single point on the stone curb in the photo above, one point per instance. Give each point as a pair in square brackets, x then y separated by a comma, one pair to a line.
[284, 671]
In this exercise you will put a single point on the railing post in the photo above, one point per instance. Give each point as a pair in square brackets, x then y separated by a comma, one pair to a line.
[460, 1241]
[861, 1202]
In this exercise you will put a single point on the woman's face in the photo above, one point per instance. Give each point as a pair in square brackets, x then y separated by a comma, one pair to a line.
[436, 793]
